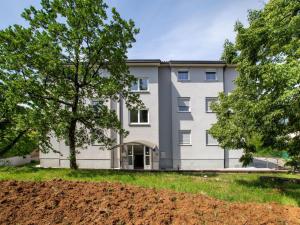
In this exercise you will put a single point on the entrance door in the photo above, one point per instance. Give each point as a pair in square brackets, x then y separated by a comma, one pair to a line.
[147, 158]
[138, 157]
[130, 156]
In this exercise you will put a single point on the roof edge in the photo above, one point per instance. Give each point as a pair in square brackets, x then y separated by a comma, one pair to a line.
[158, 62]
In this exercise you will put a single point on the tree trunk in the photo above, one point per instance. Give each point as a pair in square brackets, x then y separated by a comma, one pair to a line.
[12, 143]
[72, 128]
[72, 144]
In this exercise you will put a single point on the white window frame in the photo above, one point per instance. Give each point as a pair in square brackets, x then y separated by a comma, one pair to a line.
[180, 132]
[206, 139]
[180, 71]
[138, 82]
[139, 118]
[216, 77]
[187, 98]
[207, 109]
[95, 102]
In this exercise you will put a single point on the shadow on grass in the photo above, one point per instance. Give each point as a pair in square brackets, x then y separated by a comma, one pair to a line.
[291, 190]
[198, 174]
[20, 169]
[86, 173]
[93, 173]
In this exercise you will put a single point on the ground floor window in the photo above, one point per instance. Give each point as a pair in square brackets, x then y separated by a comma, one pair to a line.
[210, 140]
[185, 137]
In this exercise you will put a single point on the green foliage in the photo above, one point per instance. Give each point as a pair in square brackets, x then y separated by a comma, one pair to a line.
[229, 187]
[229, 54]
[266, 101]
[61, 61]
[16, 135]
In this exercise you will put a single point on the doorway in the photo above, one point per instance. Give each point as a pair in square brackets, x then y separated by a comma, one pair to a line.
[139, 157]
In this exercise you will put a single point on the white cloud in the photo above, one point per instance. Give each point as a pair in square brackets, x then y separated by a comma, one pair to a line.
[195, 37]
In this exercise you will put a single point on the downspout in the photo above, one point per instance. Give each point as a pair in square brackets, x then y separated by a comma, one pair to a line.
[224, 68]
[172, 138]
[120, 135]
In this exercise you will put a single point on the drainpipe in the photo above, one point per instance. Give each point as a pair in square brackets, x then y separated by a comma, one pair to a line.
[172, 135]
[120, 135]
[224, 68]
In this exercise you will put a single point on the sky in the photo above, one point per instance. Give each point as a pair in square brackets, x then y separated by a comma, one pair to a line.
[169, 29]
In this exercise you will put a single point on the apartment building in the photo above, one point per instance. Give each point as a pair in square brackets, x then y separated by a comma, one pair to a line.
[171, 132]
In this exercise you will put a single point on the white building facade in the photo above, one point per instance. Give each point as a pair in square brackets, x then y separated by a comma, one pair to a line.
[171, 131]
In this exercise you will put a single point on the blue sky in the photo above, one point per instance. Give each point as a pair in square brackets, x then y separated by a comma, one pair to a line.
[169, 29]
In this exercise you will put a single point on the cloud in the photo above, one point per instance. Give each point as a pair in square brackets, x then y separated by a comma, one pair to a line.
[198, 36]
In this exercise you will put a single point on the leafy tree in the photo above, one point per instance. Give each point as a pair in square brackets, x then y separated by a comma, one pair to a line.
[229, 54]
[61, 61]
[17, 138]
[266, 101]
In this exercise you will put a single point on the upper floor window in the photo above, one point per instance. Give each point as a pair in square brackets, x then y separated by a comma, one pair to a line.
[185, 137]
[211, 76]
[208, 102]
[183, 104]
[96, 104]
[139, 116]
[141, 84]
[183, 75]
[210, 140]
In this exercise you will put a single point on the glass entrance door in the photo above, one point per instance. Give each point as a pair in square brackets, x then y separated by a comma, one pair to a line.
[130, 156]
[147, 158]
[139, 157]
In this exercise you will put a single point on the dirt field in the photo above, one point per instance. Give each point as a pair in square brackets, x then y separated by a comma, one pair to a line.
[63, 202]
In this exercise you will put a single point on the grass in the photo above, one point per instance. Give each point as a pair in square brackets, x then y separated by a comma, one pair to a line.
[229, 187]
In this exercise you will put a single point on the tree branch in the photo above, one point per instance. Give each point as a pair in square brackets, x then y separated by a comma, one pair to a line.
[50, 98]
[13, 142]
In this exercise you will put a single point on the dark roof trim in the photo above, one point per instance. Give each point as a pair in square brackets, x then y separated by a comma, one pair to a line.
[175, 61]
[158, 62]
[143, 61]
[197, 62]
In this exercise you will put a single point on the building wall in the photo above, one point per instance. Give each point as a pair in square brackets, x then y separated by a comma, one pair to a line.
[233, 156]
[197, 155]
[165, 118]
[91, 157]
[230, 74]
[149, 132]
[164, 123]
[150, 100]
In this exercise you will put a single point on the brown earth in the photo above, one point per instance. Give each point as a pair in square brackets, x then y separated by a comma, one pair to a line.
[64, 202]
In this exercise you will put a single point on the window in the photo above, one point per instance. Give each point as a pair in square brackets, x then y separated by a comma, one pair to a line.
[183, 76]
[183, 104]
[139, 116]
[211, 76]
[210, 140]
[140, 85]
[184, 137]
[96, 104]
[208, 101]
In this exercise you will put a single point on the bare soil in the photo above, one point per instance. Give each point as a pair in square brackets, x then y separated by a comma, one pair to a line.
[65, 202]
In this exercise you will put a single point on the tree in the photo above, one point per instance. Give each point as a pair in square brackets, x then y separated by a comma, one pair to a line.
[17, 138]
[265, 105]
[229, 54]
[61, 60]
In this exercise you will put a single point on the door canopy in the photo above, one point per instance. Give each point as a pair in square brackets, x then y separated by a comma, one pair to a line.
[140, 142]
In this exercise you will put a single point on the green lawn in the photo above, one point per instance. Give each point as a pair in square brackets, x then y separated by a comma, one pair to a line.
[229, 187]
